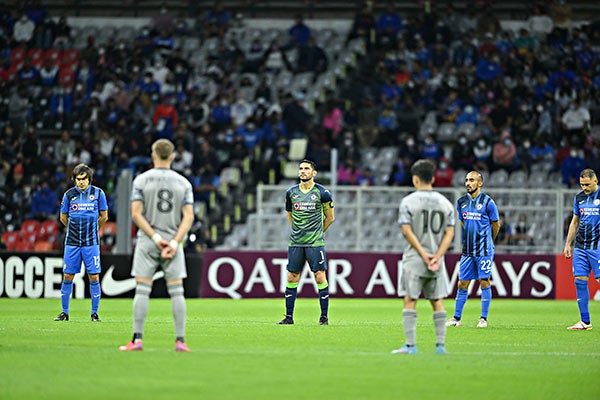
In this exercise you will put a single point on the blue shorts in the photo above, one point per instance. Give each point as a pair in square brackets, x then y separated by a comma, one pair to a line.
[76, 255]
[471, 267]
[585, 261]
[315, 256]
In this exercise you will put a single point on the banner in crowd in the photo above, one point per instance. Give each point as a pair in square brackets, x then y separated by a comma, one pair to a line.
[39, 275]
[263, 274]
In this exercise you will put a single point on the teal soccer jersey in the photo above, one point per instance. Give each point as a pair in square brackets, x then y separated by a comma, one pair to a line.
[307, 214]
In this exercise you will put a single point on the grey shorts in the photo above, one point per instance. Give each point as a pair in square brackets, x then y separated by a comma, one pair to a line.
[412, 285]
[147, 260]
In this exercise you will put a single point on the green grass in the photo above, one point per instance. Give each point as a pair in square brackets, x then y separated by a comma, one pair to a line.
[238, 352]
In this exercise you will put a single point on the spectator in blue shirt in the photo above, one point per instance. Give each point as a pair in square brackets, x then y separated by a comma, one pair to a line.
[299, 33]
[489, 68]
[570, 168]
[44, 203]
[389, 23]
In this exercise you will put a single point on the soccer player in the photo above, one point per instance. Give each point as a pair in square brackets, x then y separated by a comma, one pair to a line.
[478, 215]
[83, 210]
[427, 221]
[584, 224]
[162, 208]
[309, 208]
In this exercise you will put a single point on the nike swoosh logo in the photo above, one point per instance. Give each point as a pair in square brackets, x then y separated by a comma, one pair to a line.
[324, 297]
[321, 262]
[113, 287]
[96, 296]
[288, 295]
[464, 205]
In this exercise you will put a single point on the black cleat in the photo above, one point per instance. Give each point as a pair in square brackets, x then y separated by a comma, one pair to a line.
[323, 320]
[62, 317]
[286, 321]
[94, 317]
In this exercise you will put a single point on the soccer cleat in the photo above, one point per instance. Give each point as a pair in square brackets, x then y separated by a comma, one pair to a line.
[62, 317]
[440, 349]
[406, 349]
[453, 322]
[323, 320]
[132, 346]
[181, 346]
[95, 318]
[286, 321]
[482, 323]
[581, 326]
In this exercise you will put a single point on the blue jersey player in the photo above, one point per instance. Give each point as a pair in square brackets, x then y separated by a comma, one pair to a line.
[585, 230]
[478, 215]
[83, 211]
[309, 208]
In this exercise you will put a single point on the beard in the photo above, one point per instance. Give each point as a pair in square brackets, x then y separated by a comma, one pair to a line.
[305, 179]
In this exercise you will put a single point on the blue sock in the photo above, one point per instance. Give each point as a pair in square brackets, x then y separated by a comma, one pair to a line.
[461, 299]
[324, 300]
[486, 299]
[65, 295]
[290, 300]
[583, 299]
[95, 293]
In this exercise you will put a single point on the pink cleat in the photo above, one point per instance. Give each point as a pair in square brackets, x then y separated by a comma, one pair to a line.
[132, 346]
[181, 346]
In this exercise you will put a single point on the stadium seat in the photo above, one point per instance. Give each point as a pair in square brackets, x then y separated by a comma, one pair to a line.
[17, 55]
[10, 239]
[42, 246]
[49, 229]
[54, 55]
[70, 56]
[31, 226]
[108, 229]
[66, 77]
[37, 57]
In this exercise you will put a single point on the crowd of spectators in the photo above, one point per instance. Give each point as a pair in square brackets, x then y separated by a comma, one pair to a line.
[532, 96]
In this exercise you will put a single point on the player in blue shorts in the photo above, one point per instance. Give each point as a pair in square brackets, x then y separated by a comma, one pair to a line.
[478, 215]
[585, 230]
[83, 211]
[309, 208]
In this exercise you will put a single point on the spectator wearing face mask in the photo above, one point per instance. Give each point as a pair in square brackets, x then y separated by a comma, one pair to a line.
[462, 155]
[504, 153]
[443, 174]
[571, 166]
[522, 232]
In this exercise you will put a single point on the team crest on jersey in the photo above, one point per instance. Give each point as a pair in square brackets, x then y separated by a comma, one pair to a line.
[92, 197]
[596, 202]
[74, 207]
[313, 196]
[479, 206]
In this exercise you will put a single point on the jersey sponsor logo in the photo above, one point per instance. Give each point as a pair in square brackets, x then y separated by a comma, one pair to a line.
[113, 287]
[468, 215]
[589, 211]
[304, 206]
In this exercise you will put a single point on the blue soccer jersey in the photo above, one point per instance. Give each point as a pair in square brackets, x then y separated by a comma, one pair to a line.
[83, 209]
[477, 215]
[587, 208]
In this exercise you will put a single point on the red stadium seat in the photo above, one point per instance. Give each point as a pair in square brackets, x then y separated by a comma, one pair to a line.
[49, 229]
[70, 56]
[54, 55]
[24, 245]
[37, 57]
[11, 239]
[31, 226]
[66, 77]
[17, 55]
[43, 246]
[108, 229]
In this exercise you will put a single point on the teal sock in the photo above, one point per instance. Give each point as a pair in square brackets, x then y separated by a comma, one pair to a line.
[95, 293]
[290, 300]
[461, 299]
[324, 300]
[486, 299]
[65, 295]
[583, 299]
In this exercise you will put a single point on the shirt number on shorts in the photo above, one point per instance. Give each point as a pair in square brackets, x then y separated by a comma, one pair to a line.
[486, 266]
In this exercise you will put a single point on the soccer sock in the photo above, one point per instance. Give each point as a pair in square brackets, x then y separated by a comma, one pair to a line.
[409, 321]
[65, 295]
[324, 298]
[486, 299]
[583, 299]
[141, 301]
[291, 291]
[179, 308]
[461, 299]
[439, 321]
[95, 293]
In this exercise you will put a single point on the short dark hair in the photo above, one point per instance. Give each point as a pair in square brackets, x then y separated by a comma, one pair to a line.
[424, 170]
[83, 169]
[587, 173]
[311, 162]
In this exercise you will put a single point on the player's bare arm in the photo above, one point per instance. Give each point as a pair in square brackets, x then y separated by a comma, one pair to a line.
[411, 238]
[137, 210]
[495, 229]
[445, 243]
[102, 218]
[289, 216]
[64, 218]
[329, 217]
[573, 227]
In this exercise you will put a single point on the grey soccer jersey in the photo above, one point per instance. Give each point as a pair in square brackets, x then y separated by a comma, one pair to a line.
[164, 192]
[429, 213]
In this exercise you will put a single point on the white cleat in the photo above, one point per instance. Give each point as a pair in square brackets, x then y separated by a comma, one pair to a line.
[580, 326]
[482, 323]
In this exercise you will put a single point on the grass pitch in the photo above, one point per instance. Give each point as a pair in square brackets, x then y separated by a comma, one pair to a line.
[239, 352]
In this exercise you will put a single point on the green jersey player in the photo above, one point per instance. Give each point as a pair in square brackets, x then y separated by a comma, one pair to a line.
[427, 219]
[309, 208]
